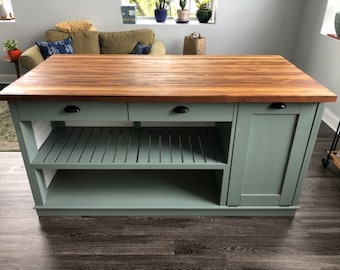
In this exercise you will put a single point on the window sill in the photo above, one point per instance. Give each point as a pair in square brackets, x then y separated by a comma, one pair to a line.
[169, 21]
[7, 20]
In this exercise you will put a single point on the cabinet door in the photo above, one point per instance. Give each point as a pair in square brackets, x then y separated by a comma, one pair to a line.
[269, 150]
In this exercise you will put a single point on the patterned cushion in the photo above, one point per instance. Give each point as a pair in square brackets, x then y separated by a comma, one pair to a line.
[140, 48]
[57, 47]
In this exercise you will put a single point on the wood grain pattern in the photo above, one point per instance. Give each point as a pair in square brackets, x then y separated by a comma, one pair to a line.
[171, 78]
[309, 241]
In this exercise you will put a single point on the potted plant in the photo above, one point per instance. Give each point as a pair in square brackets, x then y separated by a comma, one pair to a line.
[183, 13]
[203, 12]
[161, 10]
[337, 24]
[12, 48]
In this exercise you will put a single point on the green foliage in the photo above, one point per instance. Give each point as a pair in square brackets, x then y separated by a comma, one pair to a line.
[10, 45]
[146, 7]
[203, 5]
[182, 4]
[162, 4]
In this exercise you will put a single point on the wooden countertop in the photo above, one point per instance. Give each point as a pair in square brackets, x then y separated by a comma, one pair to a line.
[171, 78]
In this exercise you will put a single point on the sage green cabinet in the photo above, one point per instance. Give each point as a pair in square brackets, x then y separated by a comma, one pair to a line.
[269, 150]
[245, 159]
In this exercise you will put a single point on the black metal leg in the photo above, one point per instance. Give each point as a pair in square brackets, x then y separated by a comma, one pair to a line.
[325, 161]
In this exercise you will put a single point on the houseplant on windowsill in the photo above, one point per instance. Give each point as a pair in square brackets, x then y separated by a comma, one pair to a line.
[161, 10]
[337, 24]
[12, 48]
[183, 13]
[203, 12]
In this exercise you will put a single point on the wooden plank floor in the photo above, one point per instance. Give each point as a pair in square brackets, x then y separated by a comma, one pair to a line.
[310, 241]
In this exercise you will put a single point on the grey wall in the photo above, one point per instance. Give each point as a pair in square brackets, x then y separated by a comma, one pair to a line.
[319, 55]
[243, 26]
[290, 28]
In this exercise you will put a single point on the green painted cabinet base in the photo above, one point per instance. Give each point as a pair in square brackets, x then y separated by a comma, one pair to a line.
[243, 160]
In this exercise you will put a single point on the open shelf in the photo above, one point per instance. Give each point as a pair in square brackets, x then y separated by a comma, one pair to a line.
[130, 189]
[130, 147]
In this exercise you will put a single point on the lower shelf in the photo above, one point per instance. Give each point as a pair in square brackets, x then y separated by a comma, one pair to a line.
[144, 193]
[121, 189]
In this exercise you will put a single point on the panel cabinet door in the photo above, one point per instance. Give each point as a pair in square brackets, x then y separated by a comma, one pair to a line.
[269, 150]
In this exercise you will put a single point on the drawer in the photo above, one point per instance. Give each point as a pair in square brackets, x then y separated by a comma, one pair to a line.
[181, 112]
[57, 111]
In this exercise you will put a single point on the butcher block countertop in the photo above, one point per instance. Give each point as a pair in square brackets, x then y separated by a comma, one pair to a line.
[171, 78]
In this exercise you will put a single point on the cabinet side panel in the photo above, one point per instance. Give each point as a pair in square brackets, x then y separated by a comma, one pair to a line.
[29, 150]
[302, 140]
[41, 130]
[319, 110]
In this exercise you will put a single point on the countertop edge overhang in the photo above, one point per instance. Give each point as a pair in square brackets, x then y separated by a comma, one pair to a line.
[238, 99]
[171, 78]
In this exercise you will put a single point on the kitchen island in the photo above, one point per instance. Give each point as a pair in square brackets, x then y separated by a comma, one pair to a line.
[171, 135]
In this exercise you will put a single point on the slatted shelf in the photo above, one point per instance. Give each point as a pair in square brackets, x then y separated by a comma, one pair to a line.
[90, 147]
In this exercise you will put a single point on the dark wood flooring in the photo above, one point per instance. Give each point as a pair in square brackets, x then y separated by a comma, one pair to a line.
[310, 241]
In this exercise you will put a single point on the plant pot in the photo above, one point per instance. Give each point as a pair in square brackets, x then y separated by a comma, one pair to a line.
[182, 15]
[337, 23]
[160, 15]
[203, 16]
[14, 54]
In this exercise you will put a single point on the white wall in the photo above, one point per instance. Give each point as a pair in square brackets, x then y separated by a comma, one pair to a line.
[243, 26]
[319, 55]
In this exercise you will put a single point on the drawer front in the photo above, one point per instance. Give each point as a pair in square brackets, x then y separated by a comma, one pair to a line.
[181, 112]
[68, 111]
[277, 108]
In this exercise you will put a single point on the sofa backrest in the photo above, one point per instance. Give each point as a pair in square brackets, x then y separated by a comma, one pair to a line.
[124, 42]
[82, 42]
[94, 42]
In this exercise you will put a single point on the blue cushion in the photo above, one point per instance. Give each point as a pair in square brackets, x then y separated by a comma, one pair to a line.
[57, 47]
[140, 48]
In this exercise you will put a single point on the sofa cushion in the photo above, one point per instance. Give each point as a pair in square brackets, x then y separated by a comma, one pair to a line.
[55, 35]
[74, 26]
[56, 47]
[124, 42]
[83, 42]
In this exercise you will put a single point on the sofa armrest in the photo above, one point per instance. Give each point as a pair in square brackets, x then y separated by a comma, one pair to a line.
[31, 57]
[157, 48]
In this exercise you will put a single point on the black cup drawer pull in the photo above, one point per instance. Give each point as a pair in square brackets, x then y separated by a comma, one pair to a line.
[181, 109]
[71, 109]
[278, 106]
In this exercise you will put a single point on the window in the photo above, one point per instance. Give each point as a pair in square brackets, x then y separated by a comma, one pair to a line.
[333, 7]
[145, 8]
[8, 10]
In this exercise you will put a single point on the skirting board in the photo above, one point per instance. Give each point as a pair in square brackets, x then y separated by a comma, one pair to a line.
[330, 119]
